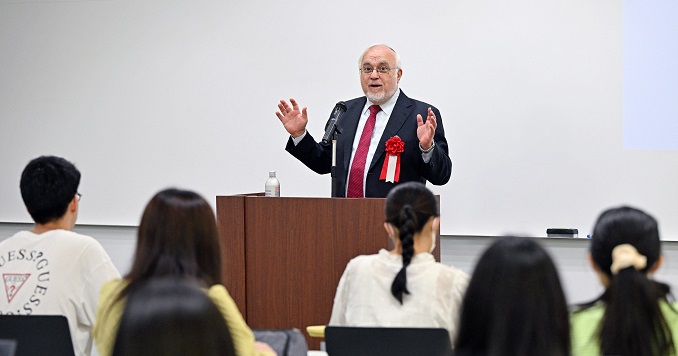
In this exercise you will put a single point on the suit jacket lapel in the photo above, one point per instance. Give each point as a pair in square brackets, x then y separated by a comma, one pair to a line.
[401, 111]
[349, 125]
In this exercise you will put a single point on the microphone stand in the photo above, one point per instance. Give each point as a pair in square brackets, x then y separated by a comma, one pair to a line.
[331, 129]
[333, 172]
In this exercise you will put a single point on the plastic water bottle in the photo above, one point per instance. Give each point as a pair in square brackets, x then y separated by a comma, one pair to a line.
[272, 185]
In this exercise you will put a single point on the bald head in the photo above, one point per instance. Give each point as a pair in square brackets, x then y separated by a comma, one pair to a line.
[380, 73]
[384, 46]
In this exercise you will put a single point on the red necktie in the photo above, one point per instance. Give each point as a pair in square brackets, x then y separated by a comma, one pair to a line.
[357, 173]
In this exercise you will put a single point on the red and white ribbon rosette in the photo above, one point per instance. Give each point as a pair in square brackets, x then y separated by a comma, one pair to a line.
[391, 169]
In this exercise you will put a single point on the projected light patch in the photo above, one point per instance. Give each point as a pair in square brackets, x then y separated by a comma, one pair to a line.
[651, 75]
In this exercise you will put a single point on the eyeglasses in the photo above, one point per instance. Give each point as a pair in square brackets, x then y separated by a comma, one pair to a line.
[78, 195]
[367, 70]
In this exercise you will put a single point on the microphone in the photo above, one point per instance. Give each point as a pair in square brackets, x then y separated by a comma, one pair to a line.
[332, 125]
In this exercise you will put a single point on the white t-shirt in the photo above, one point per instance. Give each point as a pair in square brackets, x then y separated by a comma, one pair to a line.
[56, 272]
[364, 293]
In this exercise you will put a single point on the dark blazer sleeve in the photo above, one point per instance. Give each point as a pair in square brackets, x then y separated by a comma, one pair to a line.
[318, 157]
[438, 170]
[314, 155]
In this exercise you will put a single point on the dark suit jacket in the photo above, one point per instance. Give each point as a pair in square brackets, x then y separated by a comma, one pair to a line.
[403, 123]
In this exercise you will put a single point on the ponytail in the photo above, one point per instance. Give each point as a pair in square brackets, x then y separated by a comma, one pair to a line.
[408, 223]
[633, 323]
[409, 206]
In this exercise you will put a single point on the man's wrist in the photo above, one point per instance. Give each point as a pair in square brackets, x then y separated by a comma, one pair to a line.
[427, 150]
[298, 139]
[295, 137]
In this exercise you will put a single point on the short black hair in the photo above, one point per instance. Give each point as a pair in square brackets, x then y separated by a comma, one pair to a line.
[48, 184]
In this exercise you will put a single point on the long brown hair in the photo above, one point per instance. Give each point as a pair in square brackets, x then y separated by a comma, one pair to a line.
[177, 236]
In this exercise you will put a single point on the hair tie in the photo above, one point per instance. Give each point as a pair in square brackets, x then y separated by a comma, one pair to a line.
[624, 256]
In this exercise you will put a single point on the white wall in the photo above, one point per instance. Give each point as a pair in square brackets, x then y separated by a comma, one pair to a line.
[144, 94]
[578, 280]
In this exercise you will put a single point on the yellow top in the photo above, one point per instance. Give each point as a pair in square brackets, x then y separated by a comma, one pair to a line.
[316, 331]
[108, 319]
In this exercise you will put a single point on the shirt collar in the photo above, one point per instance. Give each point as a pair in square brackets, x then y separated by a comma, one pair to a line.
[386, 107]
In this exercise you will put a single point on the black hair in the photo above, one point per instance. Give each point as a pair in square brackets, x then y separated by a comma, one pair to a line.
[168, 316]
[48, 184]
[514, 304]
[409, 206]
[633, 323]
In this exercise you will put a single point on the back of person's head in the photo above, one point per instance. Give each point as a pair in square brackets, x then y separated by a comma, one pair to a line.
[169, 316]
[177, 236]
[625, 225]
[625, 247]
[409, 206]
[514, 304]
[48, 184]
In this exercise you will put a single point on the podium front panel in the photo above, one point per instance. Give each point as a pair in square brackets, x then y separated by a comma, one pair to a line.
[283, 257]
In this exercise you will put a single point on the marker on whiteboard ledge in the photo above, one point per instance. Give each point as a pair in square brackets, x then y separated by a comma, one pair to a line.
[559, 232]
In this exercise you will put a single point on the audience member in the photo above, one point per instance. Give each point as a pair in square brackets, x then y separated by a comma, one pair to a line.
[177, 237]
[633, 315]
[404, 287]
[514, 304]
[50, 269]
[170, 317]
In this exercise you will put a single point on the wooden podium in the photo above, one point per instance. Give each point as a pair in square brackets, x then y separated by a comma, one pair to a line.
[283, 257]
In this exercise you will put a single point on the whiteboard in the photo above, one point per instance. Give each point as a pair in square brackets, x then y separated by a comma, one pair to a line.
[147, 94]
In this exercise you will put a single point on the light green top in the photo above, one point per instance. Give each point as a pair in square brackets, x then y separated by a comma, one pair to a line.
[584, 326]
[108, 319]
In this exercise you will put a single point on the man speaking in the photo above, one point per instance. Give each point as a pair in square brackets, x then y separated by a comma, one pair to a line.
[385, 139]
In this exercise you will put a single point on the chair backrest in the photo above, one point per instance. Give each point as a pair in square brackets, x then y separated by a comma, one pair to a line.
[7, 347]
[37, 335]
[375, 341]
[285, 342]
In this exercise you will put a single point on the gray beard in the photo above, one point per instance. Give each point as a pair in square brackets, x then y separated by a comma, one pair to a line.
[380, 98]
